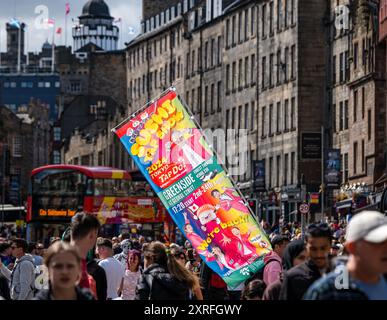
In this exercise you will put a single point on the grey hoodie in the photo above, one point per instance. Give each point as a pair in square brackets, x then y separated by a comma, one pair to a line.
[23, 278]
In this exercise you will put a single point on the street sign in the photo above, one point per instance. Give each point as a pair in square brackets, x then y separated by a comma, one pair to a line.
[304, 208]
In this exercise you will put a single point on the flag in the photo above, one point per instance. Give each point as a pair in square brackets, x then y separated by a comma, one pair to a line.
[50, 22]
[132, 30]
[59, 30]
[67, 8]
[15, 23]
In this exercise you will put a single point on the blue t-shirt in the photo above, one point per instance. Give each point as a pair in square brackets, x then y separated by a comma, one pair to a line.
[377, 291]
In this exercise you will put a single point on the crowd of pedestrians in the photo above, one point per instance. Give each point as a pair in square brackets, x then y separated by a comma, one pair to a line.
[332, 261]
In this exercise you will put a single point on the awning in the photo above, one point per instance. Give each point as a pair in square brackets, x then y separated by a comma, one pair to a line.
[344, 204]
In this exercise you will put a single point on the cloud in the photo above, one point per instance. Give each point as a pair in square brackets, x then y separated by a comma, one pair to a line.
[24, 10]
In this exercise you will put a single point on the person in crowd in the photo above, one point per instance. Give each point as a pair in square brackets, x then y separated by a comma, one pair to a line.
[273, 260]
[254, 290]
[122, 257]
[22, 277]
[6, 254]
[132, 275]
[213, 286]
[294, 255]
[63, 263]
[361, 277]
[84, 231]
[114, 270]
[39, 249]
[38, 260]
[179, 255]
[164, 278]
[99, 276]
[298, 279]
[194, 262]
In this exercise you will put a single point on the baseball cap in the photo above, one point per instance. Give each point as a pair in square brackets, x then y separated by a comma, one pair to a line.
[370, 226]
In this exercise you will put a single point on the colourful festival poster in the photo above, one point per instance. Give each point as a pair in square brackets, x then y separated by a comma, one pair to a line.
[172, 153]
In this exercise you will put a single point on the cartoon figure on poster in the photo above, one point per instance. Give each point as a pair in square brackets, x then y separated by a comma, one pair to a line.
[228, 200]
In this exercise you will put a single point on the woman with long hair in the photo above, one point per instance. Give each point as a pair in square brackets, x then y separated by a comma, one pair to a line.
[132, 274]
[163, 277]
[63, 263]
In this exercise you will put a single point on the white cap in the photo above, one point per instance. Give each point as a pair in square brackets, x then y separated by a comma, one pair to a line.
[370, 226]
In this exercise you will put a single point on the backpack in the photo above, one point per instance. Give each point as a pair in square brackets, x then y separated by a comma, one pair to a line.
[259, 274]
[39, 276]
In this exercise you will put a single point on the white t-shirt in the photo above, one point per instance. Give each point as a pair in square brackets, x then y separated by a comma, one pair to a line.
[115, 272]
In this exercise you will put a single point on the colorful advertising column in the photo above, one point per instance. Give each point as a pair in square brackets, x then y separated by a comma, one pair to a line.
[172, 153]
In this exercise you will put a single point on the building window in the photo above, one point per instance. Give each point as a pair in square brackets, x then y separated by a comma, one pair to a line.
[293, 62]
[240, 124]
[278, 183]
[57, 84]
[228, 79]
[240, 28]
[286, 169]
[212, 98]
[75, 87]
[199, 101]
[263, 20]
[253, 119]
[219, 98]
[17, 146]
[362, 156]
[286, 115]
[279, 14]
[193, 104]
[293, 113]
[292, 167]
[219, 56]
[334, 118]
[233, 71]
[40, 84]
[341, 127]
[293, 12]
[56, 157]
[246, 71]
[286, 14]
[355, 106]
[278, 129]
[286, 64]
[240, 74]
[253, 17]
[346, 115]
[233, 30]
[270, 172]
[362, 102]
[271, 18]
[369, 124]
[346, 169]
[364, 55]
[206, 100]
[13, 85]
[206, 56]
[228, 33]
[57, 133]
[271, 119]
[341, 67]
[213, 52]
[246, 23]
[187, 65]
[193, 63]
[263, 72]
[355, 158]
[263, 121]
[233, 118]
[347, 70]
[246, 117]
[252, 77]
[271, 70]
[334, 70]
[355, 54]
[278, 67]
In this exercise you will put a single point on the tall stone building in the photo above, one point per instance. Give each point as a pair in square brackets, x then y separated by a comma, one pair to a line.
[358, 94]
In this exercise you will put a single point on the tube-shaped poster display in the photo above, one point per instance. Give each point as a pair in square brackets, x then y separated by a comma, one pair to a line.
[172, 153]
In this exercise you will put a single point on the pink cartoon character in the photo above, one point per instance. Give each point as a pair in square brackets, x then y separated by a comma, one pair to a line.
[228, 200]
[242, 243]
[206, 214]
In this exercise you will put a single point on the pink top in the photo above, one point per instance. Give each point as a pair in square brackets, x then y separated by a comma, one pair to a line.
[130, 283]
[273, 269]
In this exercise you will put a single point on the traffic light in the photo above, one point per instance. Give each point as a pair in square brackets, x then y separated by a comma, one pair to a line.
[253, 204]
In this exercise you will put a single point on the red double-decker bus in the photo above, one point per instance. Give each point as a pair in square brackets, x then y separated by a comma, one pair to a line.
[57, 192]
